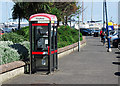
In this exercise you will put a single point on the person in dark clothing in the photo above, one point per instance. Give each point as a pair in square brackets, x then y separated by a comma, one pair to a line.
[103, 37]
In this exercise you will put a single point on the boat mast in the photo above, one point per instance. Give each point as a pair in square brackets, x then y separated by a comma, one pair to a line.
[7, 13]
[82, 11]
[92, 11]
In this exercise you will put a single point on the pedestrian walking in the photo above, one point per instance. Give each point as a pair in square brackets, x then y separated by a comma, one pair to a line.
[101, 35]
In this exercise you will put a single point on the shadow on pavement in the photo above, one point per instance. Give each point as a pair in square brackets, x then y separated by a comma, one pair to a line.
[116, 63]
[118, 57]
[117, 53]
[117, 73]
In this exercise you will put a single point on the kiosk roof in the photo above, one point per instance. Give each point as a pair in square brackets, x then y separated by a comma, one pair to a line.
[47, 17]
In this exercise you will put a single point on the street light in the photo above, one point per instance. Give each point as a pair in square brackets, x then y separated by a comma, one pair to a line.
[79, 31]
[103, 29]
[108, 38]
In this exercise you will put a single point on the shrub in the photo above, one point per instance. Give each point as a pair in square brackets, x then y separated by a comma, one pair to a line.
[8, 54]
[62, 44]
[24, 32]
[23, 49]
[23, 52]
[26, 44]
[15, 38]
[5, 43]
[67, 36]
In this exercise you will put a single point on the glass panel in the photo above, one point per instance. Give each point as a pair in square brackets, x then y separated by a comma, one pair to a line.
[55, 38]
[33, 39]
[41, 38]
[41, 62]
[52, 38]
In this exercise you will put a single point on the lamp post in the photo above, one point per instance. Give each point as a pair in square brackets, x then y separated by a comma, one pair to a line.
[79, 31]
[104, 21]
[108, 38]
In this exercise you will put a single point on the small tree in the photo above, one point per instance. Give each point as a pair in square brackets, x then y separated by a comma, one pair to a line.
[61, 9]
[17, 13]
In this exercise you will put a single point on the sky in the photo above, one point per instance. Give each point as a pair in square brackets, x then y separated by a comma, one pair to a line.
[112, 6]
[5, 10]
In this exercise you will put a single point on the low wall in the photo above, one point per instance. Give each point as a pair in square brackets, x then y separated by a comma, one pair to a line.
[11, 70]
[70, 48]
[16, 68]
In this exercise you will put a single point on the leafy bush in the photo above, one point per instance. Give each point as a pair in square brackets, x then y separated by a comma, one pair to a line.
[15, 38]
[26, 44]
[67, 36]
[23, 49]
[62, 44]
[6, 43]
[24, 32]
[8, 54]
[23, 52]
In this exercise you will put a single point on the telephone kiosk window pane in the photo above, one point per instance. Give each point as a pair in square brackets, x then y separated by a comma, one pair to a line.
[41, 35]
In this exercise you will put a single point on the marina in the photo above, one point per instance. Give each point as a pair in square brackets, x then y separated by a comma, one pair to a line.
[8, 27]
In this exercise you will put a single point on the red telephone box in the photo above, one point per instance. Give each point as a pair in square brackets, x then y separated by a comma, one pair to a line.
[43, 42]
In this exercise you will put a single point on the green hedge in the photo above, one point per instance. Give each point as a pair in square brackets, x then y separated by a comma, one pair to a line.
[24, 32]
[67, 36]
[14, 37]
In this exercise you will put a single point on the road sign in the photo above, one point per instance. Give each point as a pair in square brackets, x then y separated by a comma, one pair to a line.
[110, 26]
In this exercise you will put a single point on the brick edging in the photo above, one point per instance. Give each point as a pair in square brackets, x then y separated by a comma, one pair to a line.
[10, 66]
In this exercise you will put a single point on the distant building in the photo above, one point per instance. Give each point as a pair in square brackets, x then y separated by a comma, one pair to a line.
[2, 25]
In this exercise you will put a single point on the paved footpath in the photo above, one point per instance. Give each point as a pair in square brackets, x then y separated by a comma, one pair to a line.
[93, 65]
